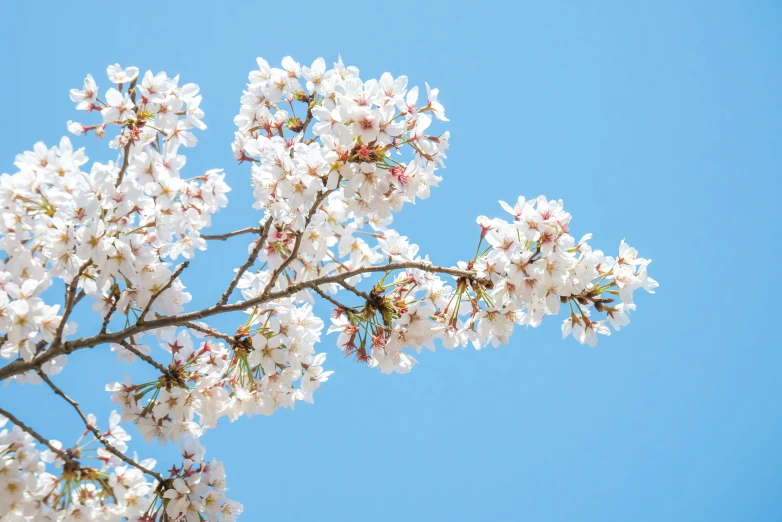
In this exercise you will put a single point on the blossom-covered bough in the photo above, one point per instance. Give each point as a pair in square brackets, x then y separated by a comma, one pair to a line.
[332, 158]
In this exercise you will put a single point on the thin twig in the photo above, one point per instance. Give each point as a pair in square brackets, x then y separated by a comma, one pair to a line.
[264, 234]
[295, 250]
[223, 237]
[146, 358]
[79, 297]
[126, 150]
[355, 290]
[24, 427]
[307, 120]
[154, 297]
[211, 332]
[70, 296]
[96, 433]
[330, 299]
[105, 325]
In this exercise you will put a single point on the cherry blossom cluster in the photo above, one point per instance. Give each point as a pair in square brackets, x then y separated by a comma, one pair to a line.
[534, 266]
[114, 491]
[111, 228]
[252, 373]
[195, 491]
[402, 313]
[359, 127]
[522, 271]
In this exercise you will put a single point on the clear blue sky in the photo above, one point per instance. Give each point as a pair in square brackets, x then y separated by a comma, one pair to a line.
[659, 122]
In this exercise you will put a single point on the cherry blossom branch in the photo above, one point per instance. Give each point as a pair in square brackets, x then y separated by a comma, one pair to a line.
[24, 427]
[70, 302]
[146, 358]
[154, 297]
[264, 234]
[211, 332]
[96, 433]
[330, 299]
[299, 235]
[223, 237]
[20, 366]
[79, 297]
[126, 150]
[351, 288]
[106, 320]
[125, 162]
[308, 119]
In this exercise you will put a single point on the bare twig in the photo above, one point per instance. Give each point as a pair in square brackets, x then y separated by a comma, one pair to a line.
[295, 250]
[24, 427]
[211, 332]
[154, 297]
[126, 150]
[347, 286]
[79, 297]
[223, 237]
[96, 433]
[70, 302]
[264, 234]
[146, 358]
[308, 119]
[106, 320]
[330, 299]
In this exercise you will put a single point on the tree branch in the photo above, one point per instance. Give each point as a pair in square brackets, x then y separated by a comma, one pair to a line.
[295, 250]
[223, 237]
[96, 433]
[126, 150]
[146, 358]
[211, 332]
[19, 366]
[70, 302]
[106, 320]
[308, 119]
[154, 297]
[250, 261]
[24, 427]
[364, 295]
[78, 298]
[330, 299]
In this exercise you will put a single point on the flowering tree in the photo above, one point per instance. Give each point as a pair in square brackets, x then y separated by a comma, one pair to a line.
[328, 182]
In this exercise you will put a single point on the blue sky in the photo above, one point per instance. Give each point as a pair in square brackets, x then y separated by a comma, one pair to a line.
[656, 122]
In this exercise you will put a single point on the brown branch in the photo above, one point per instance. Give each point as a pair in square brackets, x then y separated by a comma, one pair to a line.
[24, 427]
[79, 297]
[146, 358]
[70, 302]
[211, 332]
[223, 237]
[308, 119]
[330, 299]
[105, 325]
[364, 295]
[20, 366]
[154, 297]
[250, 261]
[295, 250]
[125, 162]
[96, 433]
[126, 150]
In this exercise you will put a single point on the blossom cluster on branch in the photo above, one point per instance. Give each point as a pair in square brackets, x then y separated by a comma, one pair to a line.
[331, 158]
